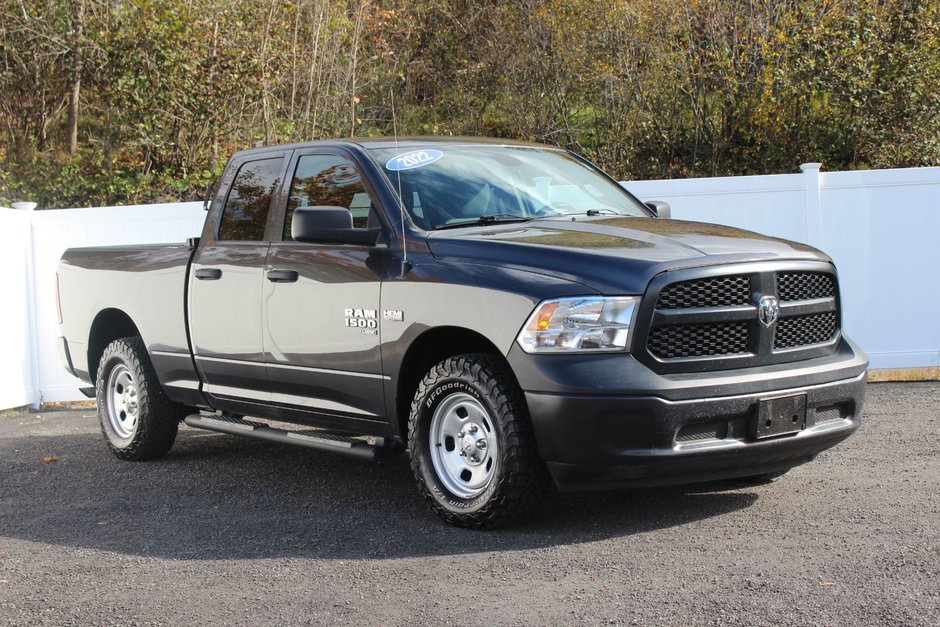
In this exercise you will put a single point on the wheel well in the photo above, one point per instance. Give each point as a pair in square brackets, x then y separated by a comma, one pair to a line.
[428, 349]
[109, 325]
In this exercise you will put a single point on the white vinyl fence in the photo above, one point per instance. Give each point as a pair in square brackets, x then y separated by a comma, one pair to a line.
[31, 255]
[882, 228]
[18, 364]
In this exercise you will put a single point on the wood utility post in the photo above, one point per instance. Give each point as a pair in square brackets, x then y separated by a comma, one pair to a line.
[78, 18]
[353, 99]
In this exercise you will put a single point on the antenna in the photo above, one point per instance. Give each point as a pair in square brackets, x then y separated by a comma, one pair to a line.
[401, 202]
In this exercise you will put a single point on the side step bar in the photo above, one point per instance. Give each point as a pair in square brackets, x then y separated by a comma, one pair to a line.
[315, 439]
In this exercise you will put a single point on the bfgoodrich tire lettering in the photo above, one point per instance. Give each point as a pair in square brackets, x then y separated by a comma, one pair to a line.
[471, 444]
[137, 419]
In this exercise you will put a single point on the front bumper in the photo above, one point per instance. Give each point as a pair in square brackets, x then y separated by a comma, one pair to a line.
[681, 428]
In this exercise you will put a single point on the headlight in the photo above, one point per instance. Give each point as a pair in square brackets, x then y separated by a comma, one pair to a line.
[587, 323]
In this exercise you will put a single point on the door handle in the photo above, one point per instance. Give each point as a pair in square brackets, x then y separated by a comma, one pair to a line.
[208, 274]
[282, 276]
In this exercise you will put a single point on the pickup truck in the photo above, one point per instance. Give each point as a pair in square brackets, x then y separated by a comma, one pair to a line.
[505, 312]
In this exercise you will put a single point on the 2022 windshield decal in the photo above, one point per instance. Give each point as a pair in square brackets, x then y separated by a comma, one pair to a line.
[413, 159]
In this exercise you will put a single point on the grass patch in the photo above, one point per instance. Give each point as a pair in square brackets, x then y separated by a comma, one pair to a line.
[69, 405]
[931, 373]
[63, 406]
[14, 411]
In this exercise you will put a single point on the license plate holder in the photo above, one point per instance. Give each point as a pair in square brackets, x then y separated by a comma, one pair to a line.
[784, 415]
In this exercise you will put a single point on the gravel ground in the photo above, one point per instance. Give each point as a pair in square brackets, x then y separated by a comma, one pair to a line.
[228, 530]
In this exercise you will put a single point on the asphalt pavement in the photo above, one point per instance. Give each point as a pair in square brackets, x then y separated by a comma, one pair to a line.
[234, 531]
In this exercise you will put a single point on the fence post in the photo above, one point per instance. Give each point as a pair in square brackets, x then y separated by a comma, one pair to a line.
[32, 323]
[812, 204]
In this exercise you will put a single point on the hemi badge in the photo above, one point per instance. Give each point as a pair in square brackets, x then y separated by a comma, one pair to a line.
[393, 315]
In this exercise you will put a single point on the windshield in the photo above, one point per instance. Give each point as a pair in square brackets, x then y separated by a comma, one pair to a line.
[454, 185]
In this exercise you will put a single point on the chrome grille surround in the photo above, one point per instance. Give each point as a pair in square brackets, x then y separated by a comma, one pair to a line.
[696, 320]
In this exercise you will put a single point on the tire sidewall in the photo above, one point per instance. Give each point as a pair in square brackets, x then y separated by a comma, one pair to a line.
[427, 403]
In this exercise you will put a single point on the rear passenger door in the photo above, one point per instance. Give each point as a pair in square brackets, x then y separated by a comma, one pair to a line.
[226, 278]
[321, 301]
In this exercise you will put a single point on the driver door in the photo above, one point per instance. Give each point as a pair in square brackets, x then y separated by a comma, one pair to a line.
[321, 301]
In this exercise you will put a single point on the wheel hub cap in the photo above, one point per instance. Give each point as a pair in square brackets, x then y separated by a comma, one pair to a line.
[122, 401]
[473, 445]
[463, 445]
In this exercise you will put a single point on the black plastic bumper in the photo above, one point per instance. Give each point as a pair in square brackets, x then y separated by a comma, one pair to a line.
[65, 357]
[683, 428]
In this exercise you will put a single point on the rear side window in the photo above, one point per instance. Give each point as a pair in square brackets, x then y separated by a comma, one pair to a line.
[328, 180]
[246, 210]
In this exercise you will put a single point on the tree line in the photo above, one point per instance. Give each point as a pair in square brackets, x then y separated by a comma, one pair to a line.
[123, 101]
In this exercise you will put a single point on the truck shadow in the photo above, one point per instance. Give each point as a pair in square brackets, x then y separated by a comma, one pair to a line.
[223, 497]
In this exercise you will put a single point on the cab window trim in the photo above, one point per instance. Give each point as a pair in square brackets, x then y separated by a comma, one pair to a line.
[284, 197]
[228, 181]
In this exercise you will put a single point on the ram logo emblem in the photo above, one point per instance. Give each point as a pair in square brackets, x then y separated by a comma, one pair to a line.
[768, 310]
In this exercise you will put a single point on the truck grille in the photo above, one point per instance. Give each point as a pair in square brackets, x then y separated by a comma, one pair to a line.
[805, 330]
[716, 292]
[713, 322]
[698, 340]
[805, 285]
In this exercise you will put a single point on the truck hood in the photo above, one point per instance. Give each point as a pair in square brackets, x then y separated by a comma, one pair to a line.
[615, 255]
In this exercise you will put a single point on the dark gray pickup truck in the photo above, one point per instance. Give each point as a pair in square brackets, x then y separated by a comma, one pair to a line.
[506, 312]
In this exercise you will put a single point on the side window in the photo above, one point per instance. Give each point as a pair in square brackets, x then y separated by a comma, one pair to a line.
[328, 180]
[246, 209]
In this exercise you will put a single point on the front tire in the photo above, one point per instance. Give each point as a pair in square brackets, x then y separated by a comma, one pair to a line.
[137, 419]
[471, 444]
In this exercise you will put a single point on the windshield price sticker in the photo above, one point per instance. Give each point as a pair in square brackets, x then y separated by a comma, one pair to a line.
[413, 159]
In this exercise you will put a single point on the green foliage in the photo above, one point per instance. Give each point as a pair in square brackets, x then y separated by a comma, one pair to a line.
[646, 88]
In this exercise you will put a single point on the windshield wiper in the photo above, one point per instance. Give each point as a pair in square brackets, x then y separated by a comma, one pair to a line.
[596, 212]
[492, 218]
[591, 213]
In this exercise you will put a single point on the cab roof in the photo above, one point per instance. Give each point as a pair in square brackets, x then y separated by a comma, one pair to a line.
[404, 143]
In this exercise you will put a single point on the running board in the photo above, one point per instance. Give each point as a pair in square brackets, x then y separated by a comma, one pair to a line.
[313, 438]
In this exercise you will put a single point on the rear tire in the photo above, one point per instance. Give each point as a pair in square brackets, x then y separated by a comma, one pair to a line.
[137, 418]
[471, 444]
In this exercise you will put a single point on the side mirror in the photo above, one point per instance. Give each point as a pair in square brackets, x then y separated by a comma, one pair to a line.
[660, 208]
[330, 225]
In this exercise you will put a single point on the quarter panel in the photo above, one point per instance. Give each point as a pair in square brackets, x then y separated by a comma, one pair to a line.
[493, 301]
[147, 283]
[489, 300]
